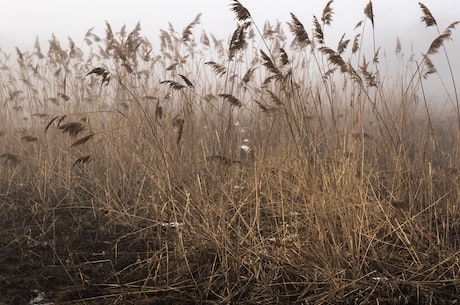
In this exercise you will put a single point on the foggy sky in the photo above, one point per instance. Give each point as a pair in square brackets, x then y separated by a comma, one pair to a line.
[21, 21]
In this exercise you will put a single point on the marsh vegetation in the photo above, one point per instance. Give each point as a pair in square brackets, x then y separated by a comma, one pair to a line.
[272, 168]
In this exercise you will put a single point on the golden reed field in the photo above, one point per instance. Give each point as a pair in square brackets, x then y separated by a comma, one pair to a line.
[272, 168]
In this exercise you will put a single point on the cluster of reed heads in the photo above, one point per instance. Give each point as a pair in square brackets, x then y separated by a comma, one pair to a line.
[266, 169]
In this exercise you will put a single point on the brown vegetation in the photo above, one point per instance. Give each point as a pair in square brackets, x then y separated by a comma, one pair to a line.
[290, 174]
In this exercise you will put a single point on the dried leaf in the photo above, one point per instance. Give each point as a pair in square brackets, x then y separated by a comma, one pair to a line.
[63, 96]
[82, 140]
[11, 159]
[233, 100]
[54, 119]
[101, 72]
[218, 68]
[178, 125]
[158, 112]
[29, 138]
[98, 71]
[82, 160]
[173, 84]
[171, 67]
[187, 81]
[72, 128]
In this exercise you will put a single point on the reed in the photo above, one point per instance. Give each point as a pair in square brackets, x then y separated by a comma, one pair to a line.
[273, 169]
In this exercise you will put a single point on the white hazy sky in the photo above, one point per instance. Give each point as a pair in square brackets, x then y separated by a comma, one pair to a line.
[21, 21]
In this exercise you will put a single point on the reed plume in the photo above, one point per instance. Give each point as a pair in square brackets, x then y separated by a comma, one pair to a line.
[242, 14]
[299, 32]
[427, 17]
[327, 13]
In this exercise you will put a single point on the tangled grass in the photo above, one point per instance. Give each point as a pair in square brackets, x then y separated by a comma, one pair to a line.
[239, 174]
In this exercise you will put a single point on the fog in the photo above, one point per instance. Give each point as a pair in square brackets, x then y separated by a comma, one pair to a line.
[22, 21]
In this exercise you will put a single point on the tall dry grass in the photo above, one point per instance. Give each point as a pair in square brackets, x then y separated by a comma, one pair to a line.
[270, 169]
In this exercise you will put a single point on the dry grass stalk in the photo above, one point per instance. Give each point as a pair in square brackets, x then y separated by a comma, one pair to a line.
[356, 42]
[371, 79]
[82, 140]
[369, 12]
[327, 13]
[266, 109]
[275, 99]
[204, 39]
[29, 138]
[429, 65]
[178, 125]
[63, 96]
[269, 64]
[217, 68]
[375, 60]
[59, 119]
[82, 160]
[342, 45]
[173, 84]
[158, 112]
[284, 58]
[318, 31]
[223, 160]
[231, 99]
[398, 47]
[238, 40]
[335, 58]
[439, 41]
[72, 128]
[101, 72]
[127, 67]
[187, 33]
[40, 115]
[248, 75]
[171, 67]
[11, 159]
[187, 81]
